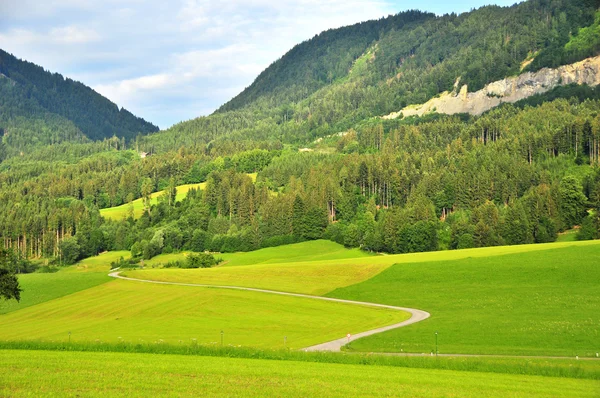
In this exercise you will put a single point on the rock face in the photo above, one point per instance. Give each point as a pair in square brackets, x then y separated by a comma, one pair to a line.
[511, 90]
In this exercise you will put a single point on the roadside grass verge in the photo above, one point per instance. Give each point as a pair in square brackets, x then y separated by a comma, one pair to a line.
[128, 374]
[535, 303]
[551, 367]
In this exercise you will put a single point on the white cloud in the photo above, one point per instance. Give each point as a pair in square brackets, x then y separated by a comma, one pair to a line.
[73, 35]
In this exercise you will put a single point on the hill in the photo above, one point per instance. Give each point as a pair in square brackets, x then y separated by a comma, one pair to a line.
[40, 107]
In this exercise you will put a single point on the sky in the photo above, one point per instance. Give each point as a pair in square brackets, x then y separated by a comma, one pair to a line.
[170, 61]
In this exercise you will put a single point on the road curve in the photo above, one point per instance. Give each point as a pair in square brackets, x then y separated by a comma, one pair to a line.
[335, 345]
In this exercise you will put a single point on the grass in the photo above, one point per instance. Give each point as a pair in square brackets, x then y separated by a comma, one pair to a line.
[127, 374]
[318, 277]
[311, 277]
[99, 263]
[568, 236]
[133, 312]
[316, 250]
[120, 212]
[535, 303]
[552, 367]
[39, 288]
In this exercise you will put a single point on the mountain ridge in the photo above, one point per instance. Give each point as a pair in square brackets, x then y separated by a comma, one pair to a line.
[57, 103]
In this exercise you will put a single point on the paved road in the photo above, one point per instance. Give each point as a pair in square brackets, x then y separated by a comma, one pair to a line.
[335, 345]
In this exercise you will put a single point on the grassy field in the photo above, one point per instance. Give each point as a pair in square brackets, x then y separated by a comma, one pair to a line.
[39, 288]
[124, 374]
[119, 212]
[535, 303]
[318, 277]
[99, 263]
[316, 250]
[302, 277]
[568, 236]
[42, 287]
[132, 311]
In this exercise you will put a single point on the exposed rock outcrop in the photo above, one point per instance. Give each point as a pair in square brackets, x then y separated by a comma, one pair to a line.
[511, 89]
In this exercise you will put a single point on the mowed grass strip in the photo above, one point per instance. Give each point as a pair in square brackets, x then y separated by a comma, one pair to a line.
[536, 303]
[322, 276]
[142, 312]
[49, 373]
[122, 211]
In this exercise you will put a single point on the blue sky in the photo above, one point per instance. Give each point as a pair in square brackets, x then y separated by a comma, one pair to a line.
[170, 61]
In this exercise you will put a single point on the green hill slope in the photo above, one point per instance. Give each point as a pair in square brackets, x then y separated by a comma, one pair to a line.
[536, 303]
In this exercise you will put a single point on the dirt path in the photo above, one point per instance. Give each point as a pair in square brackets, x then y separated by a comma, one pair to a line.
[335, 345]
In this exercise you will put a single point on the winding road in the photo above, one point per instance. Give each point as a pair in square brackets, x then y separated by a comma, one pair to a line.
[335, 345]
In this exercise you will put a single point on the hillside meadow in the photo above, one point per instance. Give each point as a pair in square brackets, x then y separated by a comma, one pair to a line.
[531, 303]
[122, 211]
[315, 275]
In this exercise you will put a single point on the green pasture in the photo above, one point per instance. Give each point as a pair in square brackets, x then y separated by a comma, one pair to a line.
[39, 288]
[126, 374]
[142, 312]
[530, 303]
[120, 212]
[312, 277]
[318, 277]
[99, 263]
[568, 236]
[316, 250]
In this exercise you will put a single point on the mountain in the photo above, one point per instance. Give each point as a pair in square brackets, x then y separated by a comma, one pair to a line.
[343, 76]
[39, 108]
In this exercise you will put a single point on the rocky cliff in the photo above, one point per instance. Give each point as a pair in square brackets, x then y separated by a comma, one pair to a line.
[511, 89]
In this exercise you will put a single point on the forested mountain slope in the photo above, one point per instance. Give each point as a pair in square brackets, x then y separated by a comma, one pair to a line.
[341, 77]
[329, 166]
[40, 108]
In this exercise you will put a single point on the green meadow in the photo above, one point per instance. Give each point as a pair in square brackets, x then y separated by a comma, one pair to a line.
[318, 276]
[126, 311]
[41, 287]
[316, 250]
[535, 303]
[126, 374]
[122, 211]
[119, 338]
